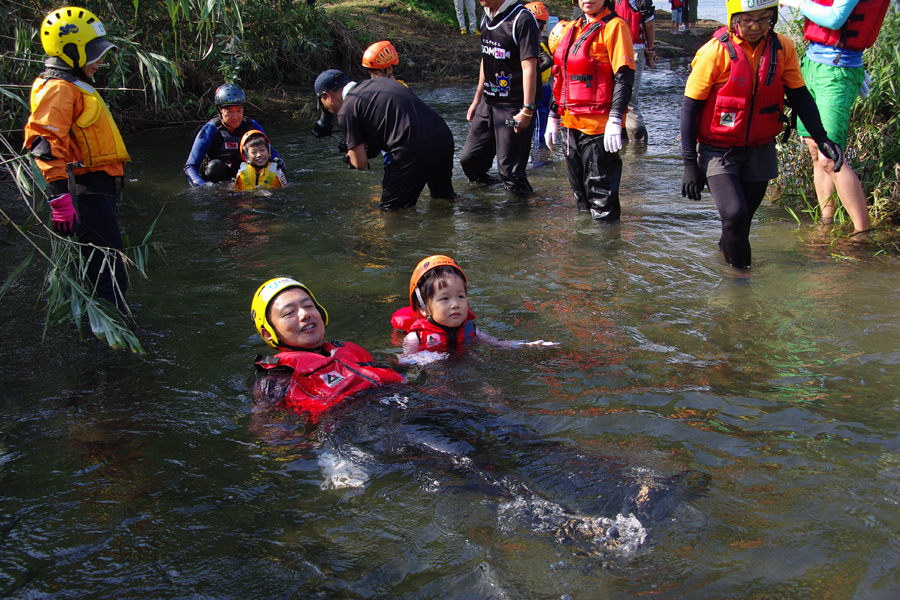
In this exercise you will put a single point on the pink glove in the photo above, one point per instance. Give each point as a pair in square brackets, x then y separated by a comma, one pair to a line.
[62, 214]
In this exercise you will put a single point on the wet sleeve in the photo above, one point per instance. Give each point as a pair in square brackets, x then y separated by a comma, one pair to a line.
[690, 113]
[804, 106]
[832, 17]
[623, 83]
[256, 125]
[201, 146]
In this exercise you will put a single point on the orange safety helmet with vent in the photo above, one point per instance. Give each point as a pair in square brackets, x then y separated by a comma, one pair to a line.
[380, 55]
[539, 11]
[250, 134]
[425, 265]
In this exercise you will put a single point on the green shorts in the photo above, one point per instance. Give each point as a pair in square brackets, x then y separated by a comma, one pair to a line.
[834, 89]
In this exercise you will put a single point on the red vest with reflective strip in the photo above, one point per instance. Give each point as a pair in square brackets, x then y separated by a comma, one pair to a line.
[581, 84]
[319, 382]
[736, 114]
[859, 31]
[634, 20]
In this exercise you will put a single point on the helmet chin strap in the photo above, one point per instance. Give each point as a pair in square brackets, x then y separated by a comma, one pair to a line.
[422, 303]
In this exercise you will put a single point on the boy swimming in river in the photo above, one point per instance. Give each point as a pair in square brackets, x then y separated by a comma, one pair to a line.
[309, 374]
[438, 318]
[258, 171]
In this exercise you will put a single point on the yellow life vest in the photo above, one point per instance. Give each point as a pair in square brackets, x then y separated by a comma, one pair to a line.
[94, 130]
[249, 177]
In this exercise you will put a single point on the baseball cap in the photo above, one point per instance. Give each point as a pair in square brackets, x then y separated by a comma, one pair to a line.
[327, 81]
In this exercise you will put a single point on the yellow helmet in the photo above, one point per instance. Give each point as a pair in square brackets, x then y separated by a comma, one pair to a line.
[734, 7]
[75, 35]
[380, 55]
[263, 297]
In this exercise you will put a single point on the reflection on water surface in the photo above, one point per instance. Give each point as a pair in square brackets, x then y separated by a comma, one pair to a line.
[748, 420]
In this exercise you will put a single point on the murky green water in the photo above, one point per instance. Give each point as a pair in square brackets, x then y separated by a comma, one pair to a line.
[762, 407]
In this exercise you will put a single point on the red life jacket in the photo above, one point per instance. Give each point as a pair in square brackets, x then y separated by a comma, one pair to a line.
[859, 31]
[581, 84]
[736, 114]
[319, 382]
[634, 20]
[431, 336]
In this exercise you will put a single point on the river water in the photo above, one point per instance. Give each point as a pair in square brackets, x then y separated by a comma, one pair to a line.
[747, 421]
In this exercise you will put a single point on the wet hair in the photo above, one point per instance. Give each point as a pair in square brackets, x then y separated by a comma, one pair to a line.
[434, 280]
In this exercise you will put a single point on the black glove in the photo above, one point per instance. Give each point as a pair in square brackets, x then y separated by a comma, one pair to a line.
[693, 181]
[279, 162]
[342, 147]
[830, 149]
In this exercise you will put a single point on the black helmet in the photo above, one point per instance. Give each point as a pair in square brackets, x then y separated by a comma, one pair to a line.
[229, 94]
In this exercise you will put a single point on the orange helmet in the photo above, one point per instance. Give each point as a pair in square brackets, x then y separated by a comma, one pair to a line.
[380, 55]
[539, 10]
[248, 135]
[425, 265]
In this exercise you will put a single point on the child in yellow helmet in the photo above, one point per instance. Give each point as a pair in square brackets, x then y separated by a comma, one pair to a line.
[77, 145]
[733, 104]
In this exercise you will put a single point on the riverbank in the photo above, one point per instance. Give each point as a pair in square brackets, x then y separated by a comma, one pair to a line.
[432, 52]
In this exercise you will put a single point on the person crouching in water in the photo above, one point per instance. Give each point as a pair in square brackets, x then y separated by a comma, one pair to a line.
[593, 73]
[258, 171]
[308, 375]
[733, 104]
[438, 318]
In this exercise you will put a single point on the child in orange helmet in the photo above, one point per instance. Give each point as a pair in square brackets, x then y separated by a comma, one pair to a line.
[258, 171]
[438, 318]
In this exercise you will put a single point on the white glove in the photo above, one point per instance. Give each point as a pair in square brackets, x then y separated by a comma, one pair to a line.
[790, 3]
[551, 131]
[612, 135]
[866, 86]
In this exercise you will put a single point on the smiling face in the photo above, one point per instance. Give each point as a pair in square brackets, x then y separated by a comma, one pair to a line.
[258, 155]
[232, 116]
[296, 320]
[450, 305]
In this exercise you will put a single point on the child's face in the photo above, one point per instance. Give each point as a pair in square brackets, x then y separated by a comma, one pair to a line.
[450, 305]
[752, 26]
[258, 156]
[296, 320]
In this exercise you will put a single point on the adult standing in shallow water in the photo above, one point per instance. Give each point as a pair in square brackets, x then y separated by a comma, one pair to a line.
[593, 71]
[838, 33]
[381, 114]
[216, 153]
[733, 104]
[77, 145]
[503, 108]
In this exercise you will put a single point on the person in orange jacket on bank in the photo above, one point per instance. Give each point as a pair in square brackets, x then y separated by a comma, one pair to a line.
[77, 145]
